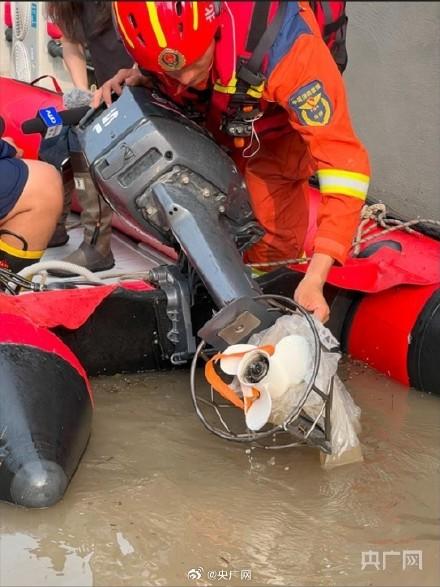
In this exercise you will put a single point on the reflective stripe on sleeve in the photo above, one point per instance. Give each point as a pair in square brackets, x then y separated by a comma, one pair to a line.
[347, 183]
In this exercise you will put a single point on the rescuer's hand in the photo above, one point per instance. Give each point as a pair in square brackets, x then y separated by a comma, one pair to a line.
[309, 293]
[129, 77]
[310, 296]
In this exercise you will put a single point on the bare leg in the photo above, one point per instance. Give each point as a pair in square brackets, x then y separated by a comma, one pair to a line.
[36, 212]
[26, 230]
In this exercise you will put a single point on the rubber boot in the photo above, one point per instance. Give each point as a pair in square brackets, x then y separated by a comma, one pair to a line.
[60, 236]
[94, 252]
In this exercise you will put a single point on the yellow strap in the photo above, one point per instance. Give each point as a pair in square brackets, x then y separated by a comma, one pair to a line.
[19, 253]
[230, 88]
[256, 91]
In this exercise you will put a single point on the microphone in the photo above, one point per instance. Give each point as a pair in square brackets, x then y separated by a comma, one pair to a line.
[75, 97]
[50, 125]
[51, 120]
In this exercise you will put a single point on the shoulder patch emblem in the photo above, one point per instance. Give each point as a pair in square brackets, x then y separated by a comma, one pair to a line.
[311, 104]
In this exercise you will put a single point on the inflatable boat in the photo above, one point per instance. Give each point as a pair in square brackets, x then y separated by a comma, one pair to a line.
[177, 280]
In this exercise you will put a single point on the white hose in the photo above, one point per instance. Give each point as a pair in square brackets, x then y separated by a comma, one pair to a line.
[29, 271]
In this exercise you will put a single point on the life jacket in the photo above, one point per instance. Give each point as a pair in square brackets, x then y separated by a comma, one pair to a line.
[233, 100]
[236, 107]
[332, 21]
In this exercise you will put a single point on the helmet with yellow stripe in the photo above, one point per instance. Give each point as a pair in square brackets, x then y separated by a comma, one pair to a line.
[166, 36]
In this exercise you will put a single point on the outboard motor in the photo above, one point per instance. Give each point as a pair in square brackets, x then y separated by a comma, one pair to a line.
[154, 165]
[158, 169]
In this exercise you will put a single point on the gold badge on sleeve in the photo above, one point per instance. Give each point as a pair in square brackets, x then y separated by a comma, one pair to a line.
[311, 104]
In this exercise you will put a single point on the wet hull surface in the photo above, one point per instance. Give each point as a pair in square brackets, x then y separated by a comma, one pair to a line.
[156, 495]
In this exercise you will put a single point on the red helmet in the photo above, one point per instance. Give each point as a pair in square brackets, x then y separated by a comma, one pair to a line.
[166, 36]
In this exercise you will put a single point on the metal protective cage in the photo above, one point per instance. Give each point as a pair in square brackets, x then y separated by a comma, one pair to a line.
[297, 425]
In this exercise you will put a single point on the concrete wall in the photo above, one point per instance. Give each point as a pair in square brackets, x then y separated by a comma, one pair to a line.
[393, 82]
[5, 48]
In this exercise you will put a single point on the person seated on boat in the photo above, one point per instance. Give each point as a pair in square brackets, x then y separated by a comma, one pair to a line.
[301, 122]
[86, 26]
[31, 196]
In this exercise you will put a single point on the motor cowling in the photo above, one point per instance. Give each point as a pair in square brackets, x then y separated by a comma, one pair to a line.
[144, 140]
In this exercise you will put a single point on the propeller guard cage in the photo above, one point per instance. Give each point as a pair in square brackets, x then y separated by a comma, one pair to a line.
[298, 429]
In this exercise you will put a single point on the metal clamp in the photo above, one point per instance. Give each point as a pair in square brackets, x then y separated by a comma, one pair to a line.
[170, 280]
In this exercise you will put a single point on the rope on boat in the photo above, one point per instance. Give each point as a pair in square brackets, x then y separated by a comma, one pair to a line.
[373, 215]
[31, 270]
[376, 214]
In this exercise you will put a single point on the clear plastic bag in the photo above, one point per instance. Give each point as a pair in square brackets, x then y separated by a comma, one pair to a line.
[345, 414]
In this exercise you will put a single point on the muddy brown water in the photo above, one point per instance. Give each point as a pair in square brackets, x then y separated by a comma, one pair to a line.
[157, 497]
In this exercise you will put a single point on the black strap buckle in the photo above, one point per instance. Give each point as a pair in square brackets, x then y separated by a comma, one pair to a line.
[251, 78]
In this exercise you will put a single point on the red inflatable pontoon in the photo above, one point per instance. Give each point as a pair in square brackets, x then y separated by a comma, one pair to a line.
[385, 307]
[394, 281]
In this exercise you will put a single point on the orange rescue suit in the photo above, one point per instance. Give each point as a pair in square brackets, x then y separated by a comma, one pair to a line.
[305, 129]
[277, 176]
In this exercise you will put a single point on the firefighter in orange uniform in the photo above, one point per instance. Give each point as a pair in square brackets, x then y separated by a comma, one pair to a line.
[302, 123]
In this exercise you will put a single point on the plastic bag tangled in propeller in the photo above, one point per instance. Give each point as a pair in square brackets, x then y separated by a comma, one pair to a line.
[284, 382]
